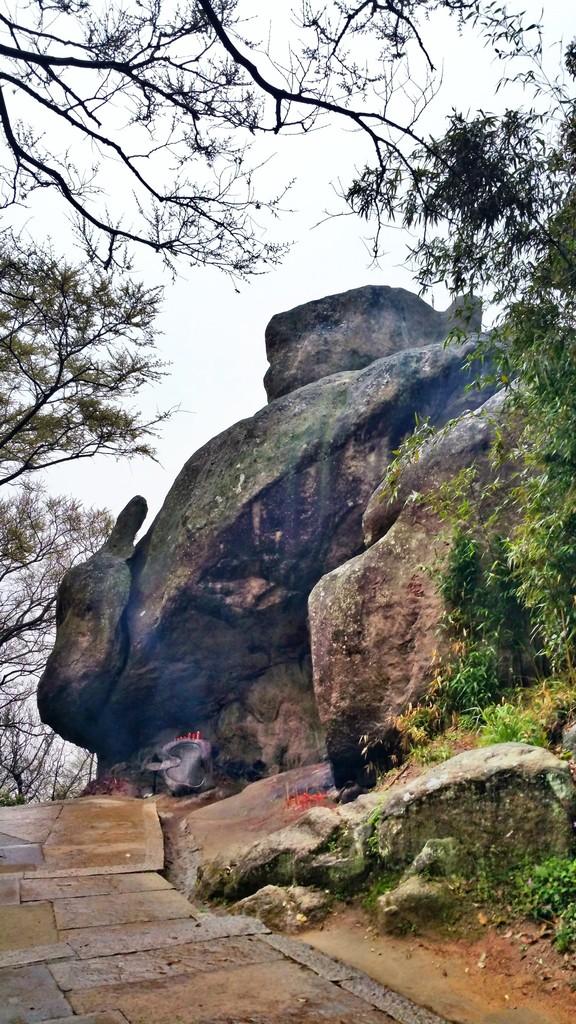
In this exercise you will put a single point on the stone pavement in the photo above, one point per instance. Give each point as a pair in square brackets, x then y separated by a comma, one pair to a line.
[91, 932]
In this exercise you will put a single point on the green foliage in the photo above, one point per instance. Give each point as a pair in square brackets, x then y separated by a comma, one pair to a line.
[75, 345]
[494, 202]
[552, 703]
[373, 823]
[459, 582]
[547, 892]
[485, 622]
[434, 752]
[407, 453]
[385, 881]
[9, 800]
[565, 938]
[508, 723]
[470, 683]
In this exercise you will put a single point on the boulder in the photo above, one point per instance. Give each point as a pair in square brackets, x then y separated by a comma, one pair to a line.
[214, 636]
[508, 802]
[91, 639]
[375, 620]
[285, 909]
[463, 444]
[374, 637]
[350, 330]
[414, 904]
[325, 847]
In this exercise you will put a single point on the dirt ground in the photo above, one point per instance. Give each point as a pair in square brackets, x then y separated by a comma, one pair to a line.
[507, 976]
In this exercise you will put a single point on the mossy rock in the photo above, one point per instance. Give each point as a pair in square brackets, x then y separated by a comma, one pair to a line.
[510, 801]
[415, 904]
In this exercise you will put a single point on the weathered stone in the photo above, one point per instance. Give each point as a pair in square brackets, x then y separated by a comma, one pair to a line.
[285, 908]
[509, 801]
[302, 953]
[350, 330]
[414, 903]
[326, 847]
[397, 1006]
[134, 938]
[121, 908]
[569, 738]
[374, 637]
[18, 854]
[30, 994]
[32, 824]
[375, 620]
[84, 841]
[217, 619]
[438, 858]
[27, 925]
[282, 858]
[107, 1017]
[191, 958]
[91, 639]
[274, 993]
[9, 889]
[35, 955]
[465, 444]
[91, 885]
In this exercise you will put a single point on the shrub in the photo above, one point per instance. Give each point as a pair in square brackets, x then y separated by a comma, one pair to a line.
[433, 753]
[7, 800]
[565, 937]
[471, 683]
[548, 892]
[507, 723]
[462, 576]
[553, 704]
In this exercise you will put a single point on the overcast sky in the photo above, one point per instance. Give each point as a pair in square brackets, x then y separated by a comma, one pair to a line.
[214, 337]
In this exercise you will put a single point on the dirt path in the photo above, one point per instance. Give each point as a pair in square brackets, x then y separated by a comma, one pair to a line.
[91, 932]
[491, 980]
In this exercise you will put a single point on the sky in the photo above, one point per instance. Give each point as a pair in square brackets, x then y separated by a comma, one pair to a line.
[213, 336]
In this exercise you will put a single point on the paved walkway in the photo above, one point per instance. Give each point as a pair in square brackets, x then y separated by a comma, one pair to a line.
[91, 932]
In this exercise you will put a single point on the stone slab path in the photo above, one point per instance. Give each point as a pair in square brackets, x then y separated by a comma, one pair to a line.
[90, 932]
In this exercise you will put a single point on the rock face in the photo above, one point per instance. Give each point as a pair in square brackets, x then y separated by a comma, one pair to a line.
[92, 639]
[374, 620]
[204, 627]
[216, 624]
[488, 808]
[465, 444]
[374, 633]
[350, 330]
[505, 801]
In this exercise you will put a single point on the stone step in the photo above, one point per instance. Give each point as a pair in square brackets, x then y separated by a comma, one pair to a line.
[120, 908]
[133, 938]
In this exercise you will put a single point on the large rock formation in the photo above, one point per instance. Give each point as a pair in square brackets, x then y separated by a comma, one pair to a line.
[374, 620]
[92, 639]
[351, 330]
[214, 630]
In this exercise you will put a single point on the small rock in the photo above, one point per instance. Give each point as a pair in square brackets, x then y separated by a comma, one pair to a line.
[569, 738]
[438, 858]
[285, 909]
[415, 902]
